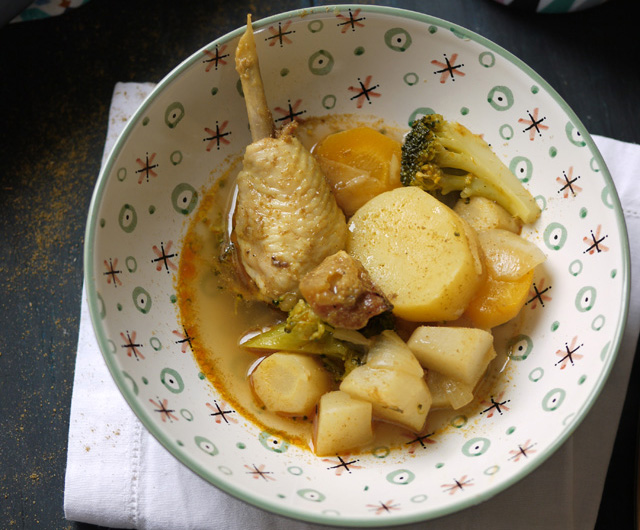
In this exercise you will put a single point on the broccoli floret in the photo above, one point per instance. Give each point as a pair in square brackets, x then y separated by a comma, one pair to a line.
[304, 332]
[304, 322]
[441, 156]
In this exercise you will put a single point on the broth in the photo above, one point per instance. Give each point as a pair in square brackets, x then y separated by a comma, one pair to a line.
[217, 317]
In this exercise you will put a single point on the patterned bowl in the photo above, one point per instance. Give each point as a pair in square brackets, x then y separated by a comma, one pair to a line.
[396, 65]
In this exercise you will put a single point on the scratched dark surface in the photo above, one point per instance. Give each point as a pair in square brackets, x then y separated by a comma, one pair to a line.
[56, 80]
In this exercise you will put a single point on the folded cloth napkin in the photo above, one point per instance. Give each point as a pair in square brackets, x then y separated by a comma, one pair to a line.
[119, 476]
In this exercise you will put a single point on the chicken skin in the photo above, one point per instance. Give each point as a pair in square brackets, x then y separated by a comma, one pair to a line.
[286, 219]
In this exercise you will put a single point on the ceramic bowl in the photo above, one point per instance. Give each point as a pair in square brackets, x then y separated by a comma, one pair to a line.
[396, 65]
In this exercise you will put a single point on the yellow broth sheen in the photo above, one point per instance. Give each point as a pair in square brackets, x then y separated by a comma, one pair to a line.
[218, 318]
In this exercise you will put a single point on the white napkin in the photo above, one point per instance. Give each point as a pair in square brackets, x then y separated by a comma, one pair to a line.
[119, 476]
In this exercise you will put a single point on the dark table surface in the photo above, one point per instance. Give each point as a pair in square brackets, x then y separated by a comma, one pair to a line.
[56, 81]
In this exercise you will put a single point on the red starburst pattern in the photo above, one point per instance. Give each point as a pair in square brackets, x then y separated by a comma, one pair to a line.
[130, 344]
[351, 22]
[112, 272]
[342, 464]
[364, 91]
[290, 114]
[215, 59]
[383, 507]
[221, 412]
[594, 241]
[259, 472]
[538, 294]
[218, 137]
[147, 167]
[449, 68]
[495, 404]
[569, 354]
[164, 257]
[417, 441]
[183, 339]
[568, 184]
[533, 124]
[280, 34]
[458, 485]
[162, 406]
[523, 451]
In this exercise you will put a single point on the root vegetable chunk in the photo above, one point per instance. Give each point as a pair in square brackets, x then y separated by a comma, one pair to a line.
[510, 262]
[342, 423]
[392, 381]
[498, 301]
[461, 354]
[359, 164]
[447, 392]
[508, 256]
[483, 214]
[437, 384]
[420, 253]
[291, 383]
[390, 352]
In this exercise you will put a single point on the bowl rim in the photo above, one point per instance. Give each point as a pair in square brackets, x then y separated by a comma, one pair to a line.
[227, 486]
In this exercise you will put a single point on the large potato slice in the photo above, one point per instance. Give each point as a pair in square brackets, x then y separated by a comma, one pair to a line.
[342, 423]
[421, 255]
[291, 383]
[462, 354]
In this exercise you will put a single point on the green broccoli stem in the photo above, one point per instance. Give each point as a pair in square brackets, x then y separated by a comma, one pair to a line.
[279, 338]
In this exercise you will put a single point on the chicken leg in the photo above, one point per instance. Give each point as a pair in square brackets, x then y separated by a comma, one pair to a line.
[287, 219]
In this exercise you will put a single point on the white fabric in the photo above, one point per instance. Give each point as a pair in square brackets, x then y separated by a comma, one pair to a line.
[119, 476]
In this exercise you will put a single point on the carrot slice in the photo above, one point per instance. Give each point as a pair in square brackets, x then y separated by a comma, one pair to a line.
[359, 164]
[498, 301]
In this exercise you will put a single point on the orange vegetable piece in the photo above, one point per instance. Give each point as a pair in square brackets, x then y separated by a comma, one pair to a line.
[498, 301]
[359, 164]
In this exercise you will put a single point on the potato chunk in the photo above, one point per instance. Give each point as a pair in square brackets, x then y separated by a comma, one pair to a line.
[390, 352]
[437, 387]
[462, 354]
[447, 392]
[392, 381]
[482, 214]
[291, 383]
[508, 256]
[418, 252]
[342, 424]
